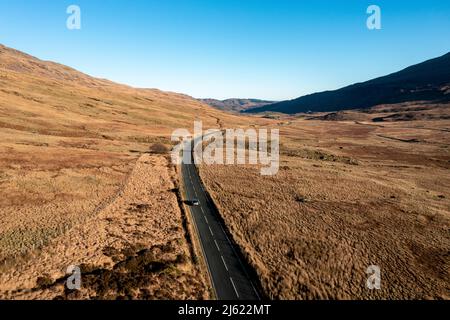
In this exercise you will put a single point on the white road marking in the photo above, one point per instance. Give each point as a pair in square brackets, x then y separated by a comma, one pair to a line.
[224, 263]
[240, 262]
[232, 282]
[208, 201]
[204, 255]
[206, 219]
[217, 245]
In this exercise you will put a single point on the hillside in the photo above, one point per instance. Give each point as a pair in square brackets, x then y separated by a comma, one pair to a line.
[45, 97]
[78, 185]
[237, 105]
[428, 81]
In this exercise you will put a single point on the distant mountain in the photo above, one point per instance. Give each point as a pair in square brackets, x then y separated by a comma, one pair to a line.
[236, 104]
[427, 81]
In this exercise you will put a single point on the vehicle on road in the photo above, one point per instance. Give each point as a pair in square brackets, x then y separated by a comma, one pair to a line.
[192, 202]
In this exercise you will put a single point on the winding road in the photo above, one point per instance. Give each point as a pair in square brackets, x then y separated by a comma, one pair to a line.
[229, 275]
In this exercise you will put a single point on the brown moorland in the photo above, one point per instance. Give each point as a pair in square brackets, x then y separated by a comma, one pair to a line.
[349, 194]
[85, 180]
[77, 187]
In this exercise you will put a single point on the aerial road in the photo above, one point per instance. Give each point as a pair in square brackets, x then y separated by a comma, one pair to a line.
[229, 275]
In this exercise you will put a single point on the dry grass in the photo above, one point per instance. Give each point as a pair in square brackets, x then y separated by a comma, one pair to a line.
[348, 195]
[134, 248]
[77, 188]
[68, 145]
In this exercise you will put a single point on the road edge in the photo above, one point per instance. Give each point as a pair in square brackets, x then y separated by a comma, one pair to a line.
[251, 273]
[199, 258]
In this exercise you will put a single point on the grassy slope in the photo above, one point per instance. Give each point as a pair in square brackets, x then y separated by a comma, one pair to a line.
[68, 144]
[349, 194]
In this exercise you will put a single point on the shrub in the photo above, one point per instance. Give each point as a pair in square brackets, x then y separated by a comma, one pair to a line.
[159, 148]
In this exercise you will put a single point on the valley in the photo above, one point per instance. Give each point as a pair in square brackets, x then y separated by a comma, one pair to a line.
[86, 179]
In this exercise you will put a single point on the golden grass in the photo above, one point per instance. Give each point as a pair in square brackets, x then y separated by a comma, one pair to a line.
[77, 188]
[134, 247]
[68, 144]
[348, 195]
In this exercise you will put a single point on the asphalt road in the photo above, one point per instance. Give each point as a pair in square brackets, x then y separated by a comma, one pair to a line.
[229, 275]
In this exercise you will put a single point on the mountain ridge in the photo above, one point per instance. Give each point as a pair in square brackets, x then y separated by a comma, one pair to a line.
[426, 81]
[236, 104]
[49, 97]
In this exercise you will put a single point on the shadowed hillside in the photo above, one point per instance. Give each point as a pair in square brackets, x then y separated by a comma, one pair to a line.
[427, 81]
[236, 104]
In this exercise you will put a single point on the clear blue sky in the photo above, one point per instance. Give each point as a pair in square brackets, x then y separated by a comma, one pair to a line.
[270, 49]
